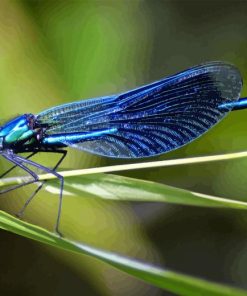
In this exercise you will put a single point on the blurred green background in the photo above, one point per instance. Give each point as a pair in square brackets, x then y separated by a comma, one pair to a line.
[53, 52]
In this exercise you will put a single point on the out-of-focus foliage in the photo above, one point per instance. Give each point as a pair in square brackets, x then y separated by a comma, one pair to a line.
[52, 52]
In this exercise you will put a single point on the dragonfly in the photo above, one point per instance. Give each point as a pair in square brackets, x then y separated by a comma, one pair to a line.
[143, 122]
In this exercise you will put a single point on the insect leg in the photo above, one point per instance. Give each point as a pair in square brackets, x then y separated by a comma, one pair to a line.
[13, 167]
[12, 159]
[63, 152]
[61, 179]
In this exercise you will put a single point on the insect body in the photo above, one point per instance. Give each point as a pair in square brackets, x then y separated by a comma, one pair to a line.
[143, 122]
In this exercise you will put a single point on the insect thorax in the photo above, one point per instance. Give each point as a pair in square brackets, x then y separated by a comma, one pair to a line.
[18, 132]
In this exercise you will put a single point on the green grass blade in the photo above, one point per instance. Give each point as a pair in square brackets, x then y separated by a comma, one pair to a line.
[90, 181]
[165, 279]
[113, 187]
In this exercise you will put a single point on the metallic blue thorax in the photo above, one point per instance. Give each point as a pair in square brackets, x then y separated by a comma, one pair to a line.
[17, 131]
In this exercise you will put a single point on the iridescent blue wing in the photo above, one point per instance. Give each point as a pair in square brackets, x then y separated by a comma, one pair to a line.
[149, 120]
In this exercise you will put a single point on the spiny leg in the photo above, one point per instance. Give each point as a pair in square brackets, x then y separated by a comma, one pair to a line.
[19, 165]
[49, 171]
[15, 166]
[11, 158]
[18, 186]
[21, 212]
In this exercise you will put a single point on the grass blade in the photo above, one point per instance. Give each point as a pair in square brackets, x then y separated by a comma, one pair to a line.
[164, 279]
[127, 167]
[113, 187]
